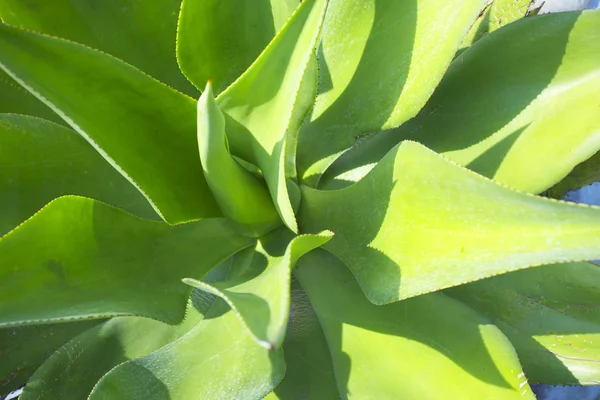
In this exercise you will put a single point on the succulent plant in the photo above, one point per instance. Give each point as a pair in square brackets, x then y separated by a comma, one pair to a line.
[327, 221]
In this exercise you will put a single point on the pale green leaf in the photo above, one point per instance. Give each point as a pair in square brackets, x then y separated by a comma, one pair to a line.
[73, 370]
[261, 104]
[141, 33]
[263, 302]
[429, 347]
[586, 173]
[24, 348]
[78, 258]
[40, 161]
[519, 106]
[379, 62]
[142, 127]
[217, 359]
[551, 316]
[218, 40]
[421, 223]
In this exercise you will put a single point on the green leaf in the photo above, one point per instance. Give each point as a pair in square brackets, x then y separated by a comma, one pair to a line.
[139, 33]
[15, 99]
[24, 348]
[78, 258]
[260, 105]
[215, 360]
[379, 61]
[519, 106]
[143, 128]
[429, 347]
[586, 173]
[426, 224]
[73, 370]
[42, 161]
[219, 40]
[263, 302]
[551, 316]
[245, 199]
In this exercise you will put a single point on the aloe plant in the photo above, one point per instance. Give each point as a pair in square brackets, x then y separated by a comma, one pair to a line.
[295, 200]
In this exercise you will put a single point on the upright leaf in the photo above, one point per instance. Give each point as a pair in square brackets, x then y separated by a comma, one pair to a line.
[78, 258]
[261, 104]
[215, 360]
[142, 127]
[519, 106]
[379, 61]
[263, 302]
[551, 316]
[40, 161]
[219, 40]
[139, 33]
[425, 224]
[425, 348]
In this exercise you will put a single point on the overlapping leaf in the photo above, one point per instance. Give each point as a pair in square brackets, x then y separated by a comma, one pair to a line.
[379, 61]
[421, 223]
[78, 258]
[143, 128]
[217, 359]
[262, 301]
[586, 173]
[16, 99]
[551, 316]
[41, 161]
[519, 106]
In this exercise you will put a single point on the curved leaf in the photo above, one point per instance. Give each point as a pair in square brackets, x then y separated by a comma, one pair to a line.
[261, 104]
[15, 99]
[430, 347]
[551, 316]
[41, 161]
[586, 173]
[217, 359]
[24, 348]
[428, 224]
[78, 258]
[73, 370]
[219, 40]
[139, 33]
[380, 72]
[263, 302]
[519, 106]
[142, 127]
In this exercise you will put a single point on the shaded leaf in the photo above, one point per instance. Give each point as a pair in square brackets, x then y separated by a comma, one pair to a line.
[40, 161]
[426, 224]
[15, 99]
[143, 128]
[379, 61]
[78, 258]
[519, 106]
[551, 316]
[217, 359]
[73, 370]
[139, 33]
[263, 302]
[586, 173]
[219, 40]
[261, 104]
[430, 347]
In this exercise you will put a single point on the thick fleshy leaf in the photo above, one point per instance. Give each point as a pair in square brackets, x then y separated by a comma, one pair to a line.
[219, 40]
[263, 302]
[519, 106]
[380, 72]
[16, 99]
[430, 347]
[73, 370]
[261, 104]
[309, 373]
[421, 223]
[24, 348]
[78, 258]
[586, 173]
[139, 33]
[142, 127]
[215, 360]
[551, 316]
[40, 161]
